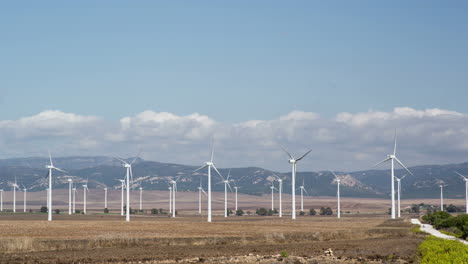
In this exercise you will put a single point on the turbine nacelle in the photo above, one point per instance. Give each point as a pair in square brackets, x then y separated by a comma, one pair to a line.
[49, 167]
[391, 156]
[292, 161]
[69, 180]
[126, 165]
[209, 163]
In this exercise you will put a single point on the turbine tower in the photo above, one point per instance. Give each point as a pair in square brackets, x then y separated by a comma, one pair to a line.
[122, 198]
[392, 158]
[15, 186]
[293, 162]
[105, 197]
[200, 190]
[24, 199]
[302, 194]
[1, 200]
[70, 183]
[337, 194]
[141, 196]
[442, 197]
[174, 190]
[170, 199]
[466, 190]
[399, 192]
[226, 185]
[51, 167]
[209, 165]
[85, 190]
[129, 173]
[236, 188]
[74, 199]
[280, 191]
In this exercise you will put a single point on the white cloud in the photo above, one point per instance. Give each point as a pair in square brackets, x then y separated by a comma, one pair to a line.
[349, 141]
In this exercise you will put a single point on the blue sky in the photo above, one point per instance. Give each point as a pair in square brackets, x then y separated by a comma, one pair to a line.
[113, 77]
[234, 61]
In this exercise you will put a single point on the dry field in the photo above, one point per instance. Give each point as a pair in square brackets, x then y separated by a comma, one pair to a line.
[28, 238]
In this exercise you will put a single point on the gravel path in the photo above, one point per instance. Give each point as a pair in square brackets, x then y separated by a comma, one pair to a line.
[429, 229]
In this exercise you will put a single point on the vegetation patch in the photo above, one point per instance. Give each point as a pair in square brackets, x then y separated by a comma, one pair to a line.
[456, 225]
[437, 250]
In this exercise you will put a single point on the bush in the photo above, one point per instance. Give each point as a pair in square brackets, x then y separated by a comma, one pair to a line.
[77, 212]
[229, 212]
[457, 225]
[43, 209]
[284, 254]
[435, 250]
[154, 211]
[263, 211]
[326, 211]
[239, 212]
[312, 211]
[106, 211]
[301, 213]
[414, 208]
[57, 211]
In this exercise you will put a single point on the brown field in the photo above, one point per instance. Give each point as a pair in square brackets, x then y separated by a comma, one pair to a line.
[365, 233]
[28, 238]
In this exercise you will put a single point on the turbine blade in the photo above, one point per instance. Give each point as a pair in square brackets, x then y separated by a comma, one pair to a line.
[306, 191]
[204, 192]
[289, 154]
[50, 158]
[229, 175]
[334, 174]
[212, 149]
[229, 186]
[304, 155]
[61, 170]
[218, 172]
[123, 161]
[460, 175]
[202, 167]
[136, 157]
[394, 148]
[131, 174]
[403, 177]
[401, 164]
[387, 159]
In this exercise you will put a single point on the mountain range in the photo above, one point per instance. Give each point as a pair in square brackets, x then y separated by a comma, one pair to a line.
[102, 171]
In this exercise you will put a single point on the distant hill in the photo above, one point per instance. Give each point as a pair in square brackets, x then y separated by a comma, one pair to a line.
[104, 171]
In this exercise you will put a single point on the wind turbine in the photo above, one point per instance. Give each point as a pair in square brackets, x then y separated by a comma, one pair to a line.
[24, 198]
[122, 199]
[141, 196]
[293, 162]
[302, 194]
[15, 186]
[70, 183]
[47, 195]
[442, 197]
[209, 164]
[129, 173]
[226, 184]
[85, 190]
[337, 194]
[399, 191]
[170, 199]
[74, 199]
[280, 191]
[51, 167]
[272, 187]
[235, 188]
[466, 190]
[200, 190]
[105, 197]
[1, 200]
[174, 190]
[392, 158]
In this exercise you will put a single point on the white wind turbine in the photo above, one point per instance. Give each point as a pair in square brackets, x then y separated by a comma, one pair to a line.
[74, 199]
[1, 200]
[226, 185]
[170, 199]
[141, 197]
[85, 190]
[280, 191]
[337, 194]
[70, 183]
[442, 196]
[293, 162]
[399, 192]
[236, 188]
[24, 198]
[51, 167]
[174, 191]
[208, 165]
[122, 198]
[302, 188]
[105, 197]
[15, 186]
[200, 191]
[392, 158]
[272, 187]
[466, 190]
[129, 173]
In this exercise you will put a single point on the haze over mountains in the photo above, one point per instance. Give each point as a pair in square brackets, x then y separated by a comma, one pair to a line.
[151, 175]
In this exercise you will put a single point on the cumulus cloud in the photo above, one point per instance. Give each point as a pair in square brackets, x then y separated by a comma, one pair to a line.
[348, 141]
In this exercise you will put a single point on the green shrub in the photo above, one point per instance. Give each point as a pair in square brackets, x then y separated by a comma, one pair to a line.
[263, 211]
[284, 254]
[43, 209]
[326, 211]
[312, 211]
[57, 211]
[106, 211]
[435, 250]
[301, 213]
[239, 212]
[154, 211]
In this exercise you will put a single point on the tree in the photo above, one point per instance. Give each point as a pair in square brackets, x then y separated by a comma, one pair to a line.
[239, 212]
[302, 213]
[262, 211]
[57, 211]
[415, 208]
[43, 209]
[312, 211]
[326, 211]
[229, 212]
[106, 211]
[452, 208]
[154, 211]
